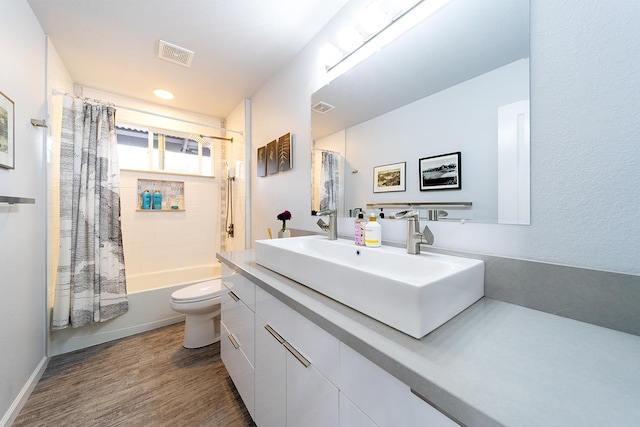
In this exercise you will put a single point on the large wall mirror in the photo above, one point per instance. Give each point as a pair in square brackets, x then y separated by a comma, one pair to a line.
[456, 82]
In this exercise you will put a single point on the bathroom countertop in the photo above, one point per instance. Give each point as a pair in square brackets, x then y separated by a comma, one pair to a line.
[494, 364]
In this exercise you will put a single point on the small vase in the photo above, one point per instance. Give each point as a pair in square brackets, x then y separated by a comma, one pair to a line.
[284, 233]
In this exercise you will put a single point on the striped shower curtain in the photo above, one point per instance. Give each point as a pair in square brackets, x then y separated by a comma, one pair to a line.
[90, 284]
[330, 180]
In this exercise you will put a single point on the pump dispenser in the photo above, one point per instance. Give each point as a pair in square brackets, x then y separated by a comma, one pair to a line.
[358, 234]
[373, 233]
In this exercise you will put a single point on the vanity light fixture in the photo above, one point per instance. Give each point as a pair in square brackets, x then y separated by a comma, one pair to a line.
[350, 39]
[331, 54]
[374, 18]
[380, 23]
[164, 94]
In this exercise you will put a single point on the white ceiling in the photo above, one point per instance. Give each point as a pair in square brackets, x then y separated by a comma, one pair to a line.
[112, 45]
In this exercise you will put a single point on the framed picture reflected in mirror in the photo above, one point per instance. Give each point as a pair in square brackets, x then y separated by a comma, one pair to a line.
[388, 178]
[441, 172]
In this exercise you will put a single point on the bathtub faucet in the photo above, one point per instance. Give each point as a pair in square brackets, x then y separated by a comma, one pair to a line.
[332, 227]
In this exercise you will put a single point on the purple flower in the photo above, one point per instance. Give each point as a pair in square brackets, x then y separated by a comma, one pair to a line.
[284, 216]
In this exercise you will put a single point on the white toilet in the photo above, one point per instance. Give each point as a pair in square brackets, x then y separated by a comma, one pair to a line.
[201, 303]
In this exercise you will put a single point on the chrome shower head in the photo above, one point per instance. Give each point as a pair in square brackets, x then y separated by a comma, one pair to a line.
[201, 139]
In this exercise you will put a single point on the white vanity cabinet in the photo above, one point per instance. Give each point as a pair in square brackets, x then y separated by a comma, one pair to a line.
[296, 368]
[383, 398]
[237, 340]
[290, 372]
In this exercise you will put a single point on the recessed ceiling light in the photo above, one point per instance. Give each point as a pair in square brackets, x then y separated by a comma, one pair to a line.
[164, 94]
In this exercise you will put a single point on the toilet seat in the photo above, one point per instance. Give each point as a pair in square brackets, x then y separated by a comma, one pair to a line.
[198, 292]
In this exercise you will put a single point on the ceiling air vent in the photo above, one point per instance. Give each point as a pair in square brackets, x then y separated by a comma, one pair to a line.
[322, 107]
[175, 54]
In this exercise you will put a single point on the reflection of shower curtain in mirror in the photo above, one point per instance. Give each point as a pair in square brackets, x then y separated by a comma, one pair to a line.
[90, 285]
[329, 180]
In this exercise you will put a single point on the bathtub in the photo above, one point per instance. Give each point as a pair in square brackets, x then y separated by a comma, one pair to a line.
[149, 309]
[175, 278]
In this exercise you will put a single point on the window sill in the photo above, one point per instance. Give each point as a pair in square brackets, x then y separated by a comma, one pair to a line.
[156, 172]
[160, 210]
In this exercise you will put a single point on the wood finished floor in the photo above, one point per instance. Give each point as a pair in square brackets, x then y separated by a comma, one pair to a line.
[144, 380]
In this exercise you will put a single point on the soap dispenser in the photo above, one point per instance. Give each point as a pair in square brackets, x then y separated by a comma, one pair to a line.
[358, 232]
[373, 233]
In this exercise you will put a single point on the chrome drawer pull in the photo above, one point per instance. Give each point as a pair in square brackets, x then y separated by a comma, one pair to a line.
[233, 296]
[233, 341]
[274, 334]
[296, 354]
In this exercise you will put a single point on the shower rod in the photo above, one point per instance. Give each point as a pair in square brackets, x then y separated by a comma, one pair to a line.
[137, 110]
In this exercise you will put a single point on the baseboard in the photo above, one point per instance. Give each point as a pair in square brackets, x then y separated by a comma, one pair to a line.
[24, 394]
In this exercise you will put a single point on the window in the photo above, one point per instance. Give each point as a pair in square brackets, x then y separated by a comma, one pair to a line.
[133, 148]
[181, 155]
[142, 150]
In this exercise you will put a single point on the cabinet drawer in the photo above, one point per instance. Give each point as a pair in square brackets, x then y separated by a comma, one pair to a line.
[241, 286]
[321, 348]
[240, 369]
[312, 400]
[351, 415]
[384, 398]
[239, 320]
[271, 379]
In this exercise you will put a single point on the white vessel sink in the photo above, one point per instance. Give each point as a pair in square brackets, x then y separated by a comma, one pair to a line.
[412, 293]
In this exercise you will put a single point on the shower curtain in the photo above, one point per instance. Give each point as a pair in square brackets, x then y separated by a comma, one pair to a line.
[330, 180]
[90, 283]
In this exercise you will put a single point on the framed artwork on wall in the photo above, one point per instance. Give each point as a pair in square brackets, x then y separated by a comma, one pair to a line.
[388, 178]
[272, 157]
[441, 172]
[7, 135]
[261, 163]
[285, 160]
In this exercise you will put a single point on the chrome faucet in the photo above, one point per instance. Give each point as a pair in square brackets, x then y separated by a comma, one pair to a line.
[332, 227]
[414, 237]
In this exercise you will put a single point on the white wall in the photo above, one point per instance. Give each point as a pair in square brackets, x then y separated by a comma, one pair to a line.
[22, 227]
[585, 100]
[284, 105]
